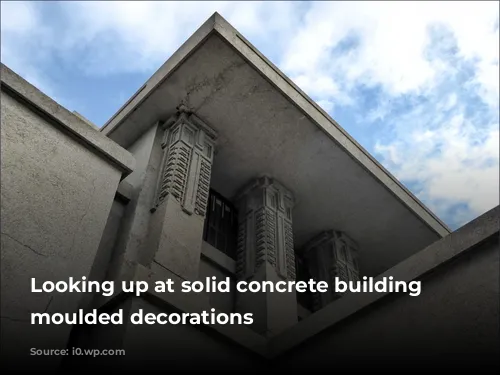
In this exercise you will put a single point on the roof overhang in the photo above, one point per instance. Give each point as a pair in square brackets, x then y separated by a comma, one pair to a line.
[268, 126]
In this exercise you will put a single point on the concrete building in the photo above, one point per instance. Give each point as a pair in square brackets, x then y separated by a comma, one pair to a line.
[220, 166]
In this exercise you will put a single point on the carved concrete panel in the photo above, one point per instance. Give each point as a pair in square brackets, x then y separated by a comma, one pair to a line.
[265, 229]
[331, 254]
[187, 164]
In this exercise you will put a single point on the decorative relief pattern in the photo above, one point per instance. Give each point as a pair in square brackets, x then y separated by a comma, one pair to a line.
[240, 250]
[331, 255]
[175, 172]
[203, 188]
[187, 164]
[272, 240]
[289, 251]
[261, 237]
[316, 301]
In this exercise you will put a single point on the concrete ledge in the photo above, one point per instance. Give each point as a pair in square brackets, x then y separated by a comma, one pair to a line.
[125, 191]
[217, 24]
[19, 88]
[81, 117]
[196, 303]
[160, 76]
[423, 262]
[186, 302]
[218, 257]
[326, 123]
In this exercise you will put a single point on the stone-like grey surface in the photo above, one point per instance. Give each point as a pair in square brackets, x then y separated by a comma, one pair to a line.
[132, 245]
[86, 120]
[266, 253]
[105, 252]
[430, 260]
[453, 324]
[67, 121]
[328, 255]
[218, 258]
[208, 268]
[182, 191]
[56, 198]
[336, 184]
[66, 214]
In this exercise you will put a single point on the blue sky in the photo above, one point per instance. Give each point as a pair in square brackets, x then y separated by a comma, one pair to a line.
[416, 83]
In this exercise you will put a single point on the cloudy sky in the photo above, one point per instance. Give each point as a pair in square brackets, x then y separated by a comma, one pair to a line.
[416, 83]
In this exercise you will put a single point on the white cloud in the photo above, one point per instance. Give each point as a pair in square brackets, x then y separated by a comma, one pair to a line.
[392, 38]
[453, 159]
[21, 49]
[139, 36]
[443, 140]
[17, 17]
[441, 57]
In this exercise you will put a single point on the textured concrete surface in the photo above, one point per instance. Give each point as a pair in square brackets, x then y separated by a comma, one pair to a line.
[431, 260]
[106, 251]
[453, 324]
[57, 193]
[222, 301]
[181, 348]
[66, 120]
[66, 213]
[131, 243]
[177, 239]
[336, 183]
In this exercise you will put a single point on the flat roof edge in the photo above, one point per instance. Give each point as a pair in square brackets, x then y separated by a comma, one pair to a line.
[174, 61]
[326, 123]
[19, 88]
[467, 238]
[216, 23]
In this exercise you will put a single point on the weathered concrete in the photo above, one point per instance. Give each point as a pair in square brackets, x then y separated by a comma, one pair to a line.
[66, 213]
[131, 243]
[59, 178]
[266, 253]
[335, 182]
[208, 268]
[453, 324]
[66, 121]
[329, 255]
[181, 198]
[431, 260]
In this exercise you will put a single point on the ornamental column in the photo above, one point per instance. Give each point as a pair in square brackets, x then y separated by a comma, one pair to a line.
[266, 253]
[329, 255]
[176, 231]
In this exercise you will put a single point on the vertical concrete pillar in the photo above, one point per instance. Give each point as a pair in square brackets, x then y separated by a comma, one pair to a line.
[176, 231]
[329, 255]
[266, 253]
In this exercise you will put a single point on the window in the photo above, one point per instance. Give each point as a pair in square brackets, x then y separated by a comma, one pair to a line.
[221, 224]
[305, 299]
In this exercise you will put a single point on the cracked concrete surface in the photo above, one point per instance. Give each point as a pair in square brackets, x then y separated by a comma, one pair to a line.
[56, 197]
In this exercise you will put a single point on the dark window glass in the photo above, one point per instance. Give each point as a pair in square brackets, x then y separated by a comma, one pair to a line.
[221, 224]
[306, 298]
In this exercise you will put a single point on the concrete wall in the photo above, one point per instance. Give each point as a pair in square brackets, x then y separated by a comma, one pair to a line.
[221, 301]
[176, 347]
[141, 149]
[63, 217]
[59, 178]
[131, 246]
[106, 250]
[184, 346]
[453, 323]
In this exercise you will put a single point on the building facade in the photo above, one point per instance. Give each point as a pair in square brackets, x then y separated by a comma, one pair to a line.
[219, 166]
